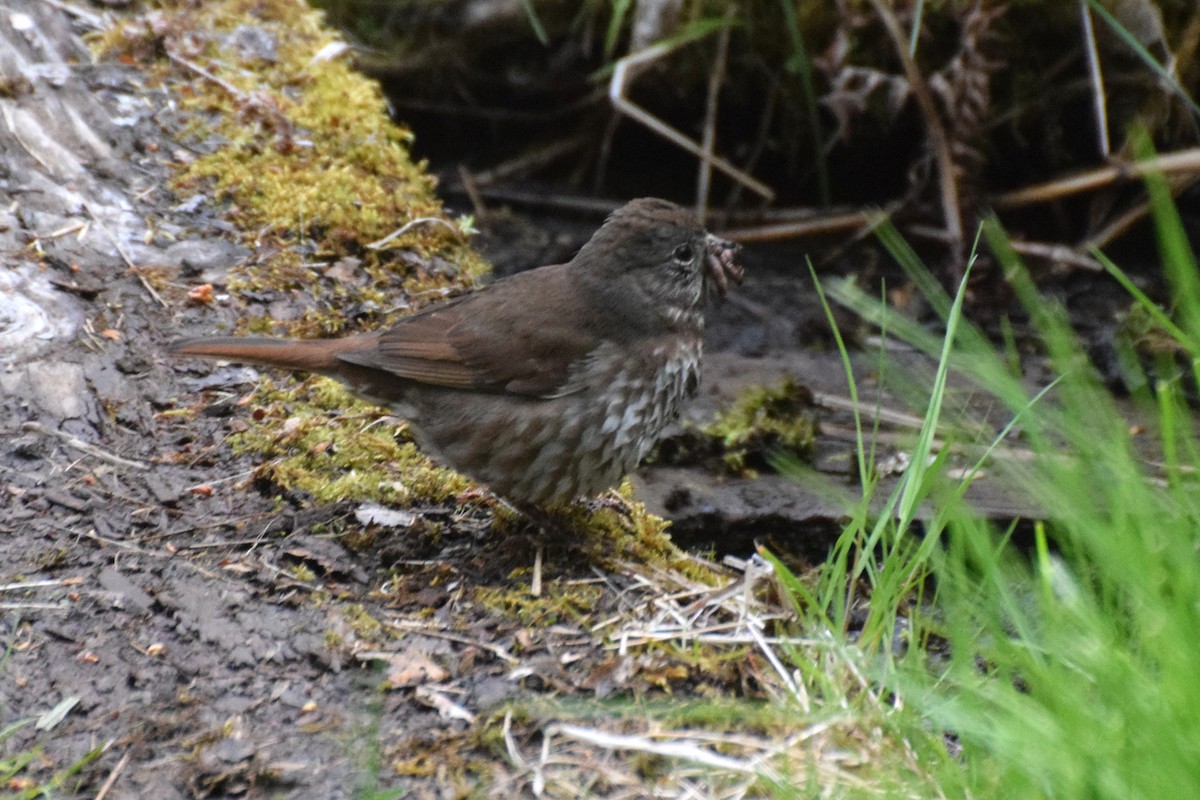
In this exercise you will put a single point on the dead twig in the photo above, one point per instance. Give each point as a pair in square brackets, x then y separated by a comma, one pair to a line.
[531, 199]
[437, 633]
[234, 91]
[518, 758]
[1182, 161]
[683, 750]
[535, 583]
[128, 261]
[1058, 253]
[835, 402]
[529, 160]
[16, 587]
[93, 21]
[709, 141]
[408, 226]
[95, 537]
[814, 226]
[112, 777]
[622, 76]
[470, 187]
[1126, 220]
[446, 708]
[85, 447]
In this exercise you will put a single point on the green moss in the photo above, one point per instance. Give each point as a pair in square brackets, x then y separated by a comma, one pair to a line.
[625, 531]
[364, 625]
[560, 602]
[323, 441]
[303, 154]
[762, 421]
[613, 531]
[302, 573]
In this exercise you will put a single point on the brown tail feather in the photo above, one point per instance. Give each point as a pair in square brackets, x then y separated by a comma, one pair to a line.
[317, 355]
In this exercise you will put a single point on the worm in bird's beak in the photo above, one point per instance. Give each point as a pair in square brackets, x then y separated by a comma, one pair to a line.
[722, 266]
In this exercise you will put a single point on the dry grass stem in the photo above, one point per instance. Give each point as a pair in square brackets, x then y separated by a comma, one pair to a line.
[815, 224]
[939, 141]
[1096, 77]
[1182, 161]
[715, 78]
[408, 226]
[84, 447]
[622, 76]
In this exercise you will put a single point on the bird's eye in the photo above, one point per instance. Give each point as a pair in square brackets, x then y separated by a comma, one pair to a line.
[684, 254]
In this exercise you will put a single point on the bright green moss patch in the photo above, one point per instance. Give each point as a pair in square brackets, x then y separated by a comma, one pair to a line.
[612, 529]
[299, 148]
[762, 421]
[321, 440]
[627, 532]
[303, 573]
[560, 602]
[362, 622]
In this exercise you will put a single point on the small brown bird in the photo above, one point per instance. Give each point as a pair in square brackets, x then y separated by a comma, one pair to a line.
[548, 385]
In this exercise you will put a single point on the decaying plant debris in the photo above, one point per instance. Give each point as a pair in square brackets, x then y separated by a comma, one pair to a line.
[934, 113]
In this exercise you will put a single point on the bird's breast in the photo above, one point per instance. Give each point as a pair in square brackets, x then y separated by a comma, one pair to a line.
[642, 394]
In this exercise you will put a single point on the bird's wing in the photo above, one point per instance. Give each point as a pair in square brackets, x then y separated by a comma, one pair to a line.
[492, 340]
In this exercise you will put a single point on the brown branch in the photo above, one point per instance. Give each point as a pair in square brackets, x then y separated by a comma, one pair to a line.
[794, 229]
[1183, 161]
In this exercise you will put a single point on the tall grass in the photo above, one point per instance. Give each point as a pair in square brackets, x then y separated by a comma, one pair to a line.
[1067, 666]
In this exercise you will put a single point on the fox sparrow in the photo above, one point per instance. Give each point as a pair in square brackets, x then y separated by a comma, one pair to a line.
[547, 385]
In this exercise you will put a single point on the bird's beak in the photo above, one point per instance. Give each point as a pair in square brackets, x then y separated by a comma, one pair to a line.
[721, 266]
